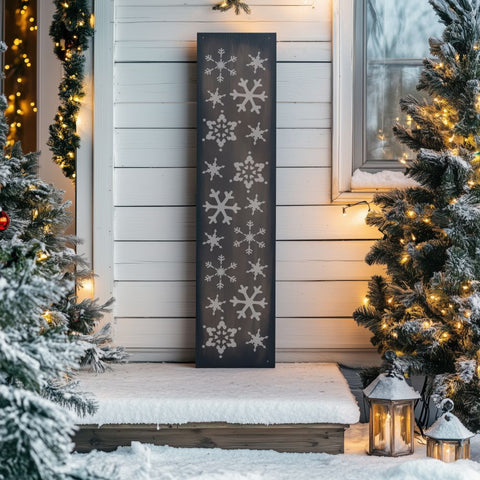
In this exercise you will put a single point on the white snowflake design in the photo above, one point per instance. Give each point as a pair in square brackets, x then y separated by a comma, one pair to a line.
[221, 337]
[249, 238]
[215, 97]
[256, 340]
[249, 96]
[220, 272]
[256, 133]
[249, 302]
[249, 172]
[221, 130]
[257, 269]
[215, 304]
[254, 204]
[213, 169]
[221, 206]
[213, 240]
[221, 65]
[256, 62]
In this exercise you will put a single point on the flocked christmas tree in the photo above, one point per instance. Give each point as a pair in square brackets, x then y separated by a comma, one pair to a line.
[427, 308]
[36, 353]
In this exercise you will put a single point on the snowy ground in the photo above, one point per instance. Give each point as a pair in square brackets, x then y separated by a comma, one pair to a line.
[147, 462]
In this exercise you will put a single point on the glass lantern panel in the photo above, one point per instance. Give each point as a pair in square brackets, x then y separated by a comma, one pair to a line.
[466, 449]
[382, 428]
[402, 428]
[449, 451]
[433, 448]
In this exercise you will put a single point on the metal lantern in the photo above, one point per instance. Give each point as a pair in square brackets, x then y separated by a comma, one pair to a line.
[448, 439]
[392, 417]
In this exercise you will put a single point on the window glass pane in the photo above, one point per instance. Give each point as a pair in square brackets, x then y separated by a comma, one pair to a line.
[396, 40]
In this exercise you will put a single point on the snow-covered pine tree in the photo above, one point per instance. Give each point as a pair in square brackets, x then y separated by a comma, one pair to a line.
[427, 309]
[36, 354]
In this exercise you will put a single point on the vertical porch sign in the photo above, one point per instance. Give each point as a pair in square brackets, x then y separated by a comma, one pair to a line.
[236, 142]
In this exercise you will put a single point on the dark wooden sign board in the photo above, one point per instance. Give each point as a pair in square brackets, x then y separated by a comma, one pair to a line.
[236, 149]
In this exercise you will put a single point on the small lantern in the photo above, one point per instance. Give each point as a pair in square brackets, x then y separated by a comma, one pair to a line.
[392, 417]
[448, 439]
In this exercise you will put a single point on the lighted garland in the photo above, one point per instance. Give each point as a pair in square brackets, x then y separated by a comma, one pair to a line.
[71, 28]
[238, 5]
[17, 68]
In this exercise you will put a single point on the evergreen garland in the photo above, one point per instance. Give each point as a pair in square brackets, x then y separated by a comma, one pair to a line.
[427, 309]
[71, 30]
[238, 5]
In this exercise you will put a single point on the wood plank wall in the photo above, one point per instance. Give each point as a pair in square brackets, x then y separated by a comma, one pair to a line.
[321, 274]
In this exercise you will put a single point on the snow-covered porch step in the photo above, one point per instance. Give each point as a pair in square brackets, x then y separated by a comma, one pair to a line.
[293, 407]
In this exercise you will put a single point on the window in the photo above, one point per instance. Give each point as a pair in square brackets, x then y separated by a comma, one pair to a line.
[378, 51]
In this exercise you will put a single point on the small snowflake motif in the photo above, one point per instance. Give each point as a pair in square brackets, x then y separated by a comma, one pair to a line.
[221, 337]
[249, 172]
[221, 206]
[255, 205]
[256, 133]
[256, 340]
[215, 305]
[249, 302]
[249, 238]
[215, 97]
[220, 272]
[221, 130]
[221, 65]
[249, 96]
[213, 240]
[256, 62]
[213, 169]
[257, 269]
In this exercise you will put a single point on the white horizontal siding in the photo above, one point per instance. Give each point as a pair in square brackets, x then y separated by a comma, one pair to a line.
[295, 333]
[321, 275]
[176, 147]
[296, 261]
[294, 299]
[177, 186]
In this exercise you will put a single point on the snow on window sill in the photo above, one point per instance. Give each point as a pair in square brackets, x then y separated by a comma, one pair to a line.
[386, 179]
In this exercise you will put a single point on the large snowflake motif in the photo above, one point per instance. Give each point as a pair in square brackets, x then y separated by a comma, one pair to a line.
[213, 240]
[221, 130]
[249, 238]
[257, 269]
[249, 172]
[215, 97]
[254, 204]
[256, 133]
[220, 272]
[213, 169]
[256, 62]
[221, 65]
[256, 340]
[221, 206]
[249, 302]
[221, 337]
[215, 304]
[249, 96]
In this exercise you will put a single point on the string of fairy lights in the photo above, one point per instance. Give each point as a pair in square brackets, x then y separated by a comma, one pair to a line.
[21, 100]
[71, 29]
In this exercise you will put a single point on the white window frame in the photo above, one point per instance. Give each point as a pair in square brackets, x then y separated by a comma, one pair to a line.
[343, 63]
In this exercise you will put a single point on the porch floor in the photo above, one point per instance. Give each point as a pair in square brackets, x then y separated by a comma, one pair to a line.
[169, 393]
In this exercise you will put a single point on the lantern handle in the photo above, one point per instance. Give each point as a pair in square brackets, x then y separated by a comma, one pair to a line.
[393, 369]
[447, 405]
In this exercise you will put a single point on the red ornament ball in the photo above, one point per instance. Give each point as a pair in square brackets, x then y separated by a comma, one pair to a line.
[4, 221]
